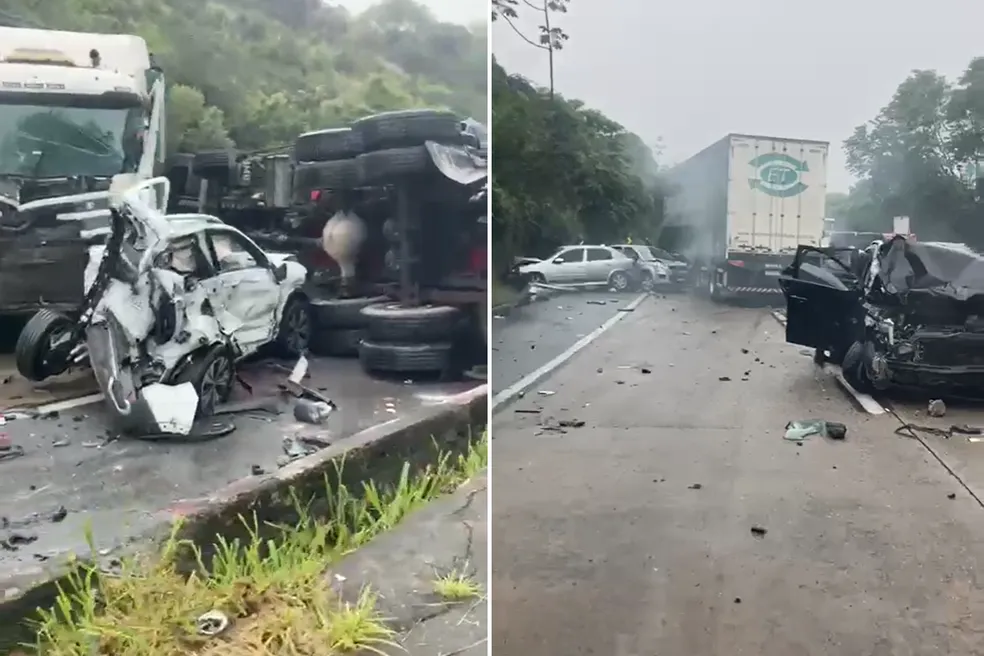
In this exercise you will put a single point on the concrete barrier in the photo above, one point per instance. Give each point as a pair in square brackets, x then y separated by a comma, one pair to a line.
[377, 453]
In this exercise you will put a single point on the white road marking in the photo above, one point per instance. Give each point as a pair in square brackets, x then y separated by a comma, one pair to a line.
[534, 377]
[66, 404]
[866, 401]
[779, 316]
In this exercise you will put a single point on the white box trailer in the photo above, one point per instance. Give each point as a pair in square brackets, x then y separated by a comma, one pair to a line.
[738, 209]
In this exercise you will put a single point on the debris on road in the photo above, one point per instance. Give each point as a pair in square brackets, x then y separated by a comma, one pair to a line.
[724, 379]
[645, 371]
[570, 423]
[797, 431]
[594, 302]
[212, 623]
[695, 486]
[312, 412]
[951, 496]
[546, 393]
[256, 470]
[759, 531]
[936, 408]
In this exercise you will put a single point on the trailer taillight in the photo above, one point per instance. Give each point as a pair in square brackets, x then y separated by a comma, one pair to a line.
[315, 195]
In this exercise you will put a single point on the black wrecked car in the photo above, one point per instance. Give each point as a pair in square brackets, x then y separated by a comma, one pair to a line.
[899, 314]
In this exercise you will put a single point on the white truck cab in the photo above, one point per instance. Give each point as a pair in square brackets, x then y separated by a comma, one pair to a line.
[79, 113]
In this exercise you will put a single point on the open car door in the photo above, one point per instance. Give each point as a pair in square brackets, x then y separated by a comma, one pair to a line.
[823, 300]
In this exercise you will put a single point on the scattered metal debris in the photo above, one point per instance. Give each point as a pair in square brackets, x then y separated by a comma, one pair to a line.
[724, 379]
[212, 623]
[546, 393]
[695, 486]
[759, 531]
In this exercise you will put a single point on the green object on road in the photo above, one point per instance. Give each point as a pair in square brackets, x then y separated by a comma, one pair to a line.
[797, 431]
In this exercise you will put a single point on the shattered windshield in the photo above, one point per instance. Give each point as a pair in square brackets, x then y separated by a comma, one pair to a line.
[45, 141]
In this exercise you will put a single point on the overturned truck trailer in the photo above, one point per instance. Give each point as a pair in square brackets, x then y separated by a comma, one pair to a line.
[904, 314]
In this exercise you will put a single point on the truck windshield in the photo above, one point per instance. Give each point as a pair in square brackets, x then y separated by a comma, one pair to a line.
[46, 141]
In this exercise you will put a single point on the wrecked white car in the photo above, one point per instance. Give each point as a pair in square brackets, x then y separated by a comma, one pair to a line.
[173, 302]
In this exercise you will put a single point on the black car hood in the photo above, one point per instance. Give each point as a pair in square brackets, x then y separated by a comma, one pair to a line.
[949, 270]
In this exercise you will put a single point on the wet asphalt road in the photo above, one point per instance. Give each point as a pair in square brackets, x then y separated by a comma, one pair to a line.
[533, 335]
[632, 534]
[71, 480]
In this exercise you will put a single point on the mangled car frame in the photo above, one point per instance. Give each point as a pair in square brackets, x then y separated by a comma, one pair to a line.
[899, 314]
[172, 303]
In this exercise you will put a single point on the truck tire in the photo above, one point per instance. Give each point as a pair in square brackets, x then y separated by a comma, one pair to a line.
[385, 166]
[33, 352]
[409, 127]
[338, 343]
[328, 145]
[335, 313]
[210, 163]
[404, 358]
[392, 322]
[337, 175]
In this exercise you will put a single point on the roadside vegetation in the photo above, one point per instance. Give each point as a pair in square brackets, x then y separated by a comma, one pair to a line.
[261, 596]
[457, 586]
[256, 73]
[921, 157]
[563, 171]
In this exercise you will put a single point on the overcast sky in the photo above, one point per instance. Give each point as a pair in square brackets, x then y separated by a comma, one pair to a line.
[452, 11]
[692, 71]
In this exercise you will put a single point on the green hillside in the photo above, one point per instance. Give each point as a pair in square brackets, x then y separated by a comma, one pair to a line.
[258, 72]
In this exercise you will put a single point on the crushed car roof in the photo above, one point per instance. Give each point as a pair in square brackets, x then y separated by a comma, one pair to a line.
[938, 268]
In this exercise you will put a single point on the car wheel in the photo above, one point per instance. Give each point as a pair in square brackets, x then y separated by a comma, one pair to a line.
[341, 343]
[211, 374]
[43, 346]
[620, 281]
[332, 313]
[294, 334]
[648, 284]
[404, 358]
[392, 322]
[854, 370]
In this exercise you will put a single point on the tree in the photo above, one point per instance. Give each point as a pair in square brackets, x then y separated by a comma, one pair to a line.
[563, 173]
[916, 157]
[550, 38]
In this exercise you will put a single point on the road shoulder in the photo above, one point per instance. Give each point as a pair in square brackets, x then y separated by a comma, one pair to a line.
[448, 537]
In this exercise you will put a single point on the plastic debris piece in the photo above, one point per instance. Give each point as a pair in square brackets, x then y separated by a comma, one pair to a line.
[212, 623]
[797, 431]
[311, 412]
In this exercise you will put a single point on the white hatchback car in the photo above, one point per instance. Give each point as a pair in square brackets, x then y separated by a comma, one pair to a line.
[173, 302]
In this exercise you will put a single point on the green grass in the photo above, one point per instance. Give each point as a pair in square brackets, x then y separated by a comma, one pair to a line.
[273, 590]
[457, 586]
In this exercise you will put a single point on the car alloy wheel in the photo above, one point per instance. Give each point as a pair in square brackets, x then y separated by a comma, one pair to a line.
[215, 384]
[648, 284]
[297, 328]
[620, 281]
